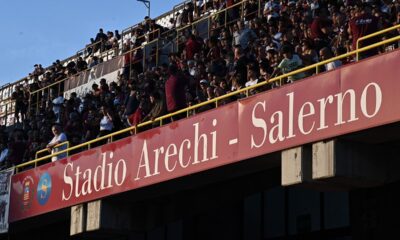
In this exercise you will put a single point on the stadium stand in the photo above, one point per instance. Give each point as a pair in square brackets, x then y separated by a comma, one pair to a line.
[213, 52]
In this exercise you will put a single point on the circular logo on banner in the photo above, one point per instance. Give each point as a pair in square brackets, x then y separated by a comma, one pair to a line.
[27, 193]
[44, 189]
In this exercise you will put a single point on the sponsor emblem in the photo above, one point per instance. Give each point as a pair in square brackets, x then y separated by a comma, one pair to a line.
[44, 189]
[28, 191]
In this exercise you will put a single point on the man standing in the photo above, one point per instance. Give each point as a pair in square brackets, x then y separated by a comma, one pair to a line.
[363, 24]
[175, 91]
[59, 137]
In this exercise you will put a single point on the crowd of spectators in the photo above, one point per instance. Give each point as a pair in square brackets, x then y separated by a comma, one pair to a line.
[243, 49]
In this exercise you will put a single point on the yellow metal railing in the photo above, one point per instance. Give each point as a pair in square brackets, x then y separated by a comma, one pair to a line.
[56, 146]
[91, 46]
[134, 129]
[209, 17]
[37, 160]
[46, 88]
[156, 54]
[374, 35]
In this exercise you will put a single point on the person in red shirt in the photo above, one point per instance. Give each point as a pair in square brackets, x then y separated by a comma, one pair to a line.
[362, 24]
[192, 47]
[320, 28]
[175, 93]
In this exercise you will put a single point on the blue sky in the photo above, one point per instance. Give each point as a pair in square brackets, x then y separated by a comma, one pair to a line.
[42, 31]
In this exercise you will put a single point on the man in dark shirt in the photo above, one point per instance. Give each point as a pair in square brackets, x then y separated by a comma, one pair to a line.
[102, 38]
[131, 103]
[20, 107]
[241, 64]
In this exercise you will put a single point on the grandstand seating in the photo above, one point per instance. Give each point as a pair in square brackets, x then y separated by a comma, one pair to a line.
[206, 26]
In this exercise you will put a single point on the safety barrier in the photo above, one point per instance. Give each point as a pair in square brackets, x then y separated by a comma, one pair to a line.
[52, 89]
[207, 20]
[374, 35]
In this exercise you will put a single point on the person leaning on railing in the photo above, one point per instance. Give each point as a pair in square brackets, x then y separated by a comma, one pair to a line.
[59, 137]
[289, 63]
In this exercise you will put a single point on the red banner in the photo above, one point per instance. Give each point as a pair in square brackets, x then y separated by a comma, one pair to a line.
[352, 98]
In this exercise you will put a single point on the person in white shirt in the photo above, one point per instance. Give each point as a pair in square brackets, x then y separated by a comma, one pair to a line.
[59, 137]
[106, 122]
[251, 78]
[289, 63]
[325, 54]
[57, 103]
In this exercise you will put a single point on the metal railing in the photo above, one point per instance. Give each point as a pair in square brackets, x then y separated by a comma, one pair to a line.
[189, 110]
[7, 108]
[374, 35]
[66, 143]
[56, 146]
[209, 19]
[39, 94]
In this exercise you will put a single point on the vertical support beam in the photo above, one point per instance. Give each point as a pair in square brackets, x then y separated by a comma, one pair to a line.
[93, 220]
[323, 160]
[296, 165]
[78, 220]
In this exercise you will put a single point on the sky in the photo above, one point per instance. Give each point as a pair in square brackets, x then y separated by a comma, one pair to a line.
[41, 31]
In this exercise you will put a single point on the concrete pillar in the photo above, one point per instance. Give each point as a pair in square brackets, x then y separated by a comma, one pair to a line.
[93, 215]
[323, 160]
[296, 165]
[78, 219]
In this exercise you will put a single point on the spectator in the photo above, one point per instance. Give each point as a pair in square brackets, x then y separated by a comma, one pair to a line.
[16, 147]
[320, 27]
[94, 61]
[117, 35]
[361, 25]
[241, 61]
[106, 122]
[20, 107]
[251, 78]
[81, 64]
[131, 103]
[104, 88]
[175, 91]
[158, 108]
[100, 40]
[137, 117]
[325, 54]
[57, 105]
[246, 35]
[192, 47]
[59, 137]
[289, 63]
